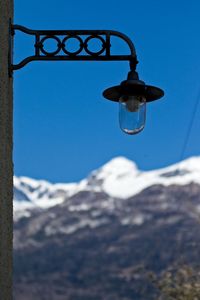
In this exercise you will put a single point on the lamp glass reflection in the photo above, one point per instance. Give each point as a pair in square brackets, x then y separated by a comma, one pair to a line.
[132, 113]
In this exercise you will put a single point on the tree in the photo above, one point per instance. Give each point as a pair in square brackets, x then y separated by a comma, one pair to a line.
[183, 283]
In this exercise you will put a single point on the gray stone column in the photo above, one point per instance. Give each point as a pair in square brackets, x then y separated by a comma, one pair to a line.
[6, 165]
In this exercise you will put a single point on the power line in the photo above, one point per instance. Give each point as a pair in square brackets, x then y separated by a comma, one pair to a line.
[190, 126]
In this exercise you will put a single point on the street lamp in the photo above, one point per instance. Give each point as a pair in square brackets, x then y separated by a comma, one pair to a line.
[132, 94]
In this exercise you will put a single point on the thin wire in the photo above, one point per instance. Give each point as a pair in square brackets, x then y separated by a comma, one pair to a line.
[190, 126]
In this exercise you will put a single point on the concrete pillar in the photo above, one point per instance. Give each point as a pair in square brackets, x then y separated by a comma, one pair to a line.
[6, 165]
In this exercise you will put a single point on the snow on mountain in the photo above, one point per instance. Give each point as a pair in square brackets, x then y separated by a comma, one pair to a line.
[30, 193]
[119, 178]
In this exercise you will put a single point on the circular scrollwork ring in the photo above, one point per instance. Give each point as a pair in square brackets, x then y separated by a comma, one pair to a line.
[48, 53]
[93, 53]
[64, 45]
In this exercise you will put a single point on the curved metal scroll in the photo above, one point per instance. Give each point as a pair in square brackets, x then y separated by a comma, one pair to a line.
[82, 53]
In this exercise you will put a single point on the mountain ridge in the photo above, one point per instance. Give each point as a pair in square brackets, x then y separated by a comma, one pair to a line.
[119, 178]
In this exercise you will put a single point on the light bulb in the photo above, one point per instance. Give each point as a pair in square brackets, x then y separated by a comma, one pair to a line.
[132, 113]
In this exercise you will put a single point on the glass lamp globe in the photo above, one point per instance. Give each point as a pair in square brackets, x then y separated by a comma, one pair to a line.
[132, 114]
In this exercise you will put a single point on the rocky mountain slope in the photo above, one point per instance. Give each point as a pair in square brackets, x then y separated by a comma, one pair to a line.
[99, 238]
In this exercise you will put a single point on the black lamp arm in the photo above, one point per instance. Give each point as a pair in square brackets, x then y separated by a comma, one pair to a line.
[83, 53]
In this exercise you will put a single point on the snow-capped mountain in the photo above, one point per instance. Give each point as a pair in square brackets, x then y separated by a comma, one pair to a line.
[119, 178]
[91, 239]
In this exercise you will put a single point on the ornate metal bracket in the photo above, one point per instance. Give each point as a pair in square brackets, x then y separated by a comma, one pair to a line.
[83, 53]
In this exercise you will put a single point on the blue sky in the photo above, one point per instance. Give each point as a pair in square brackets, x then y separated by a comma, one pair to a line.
[62, 132]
